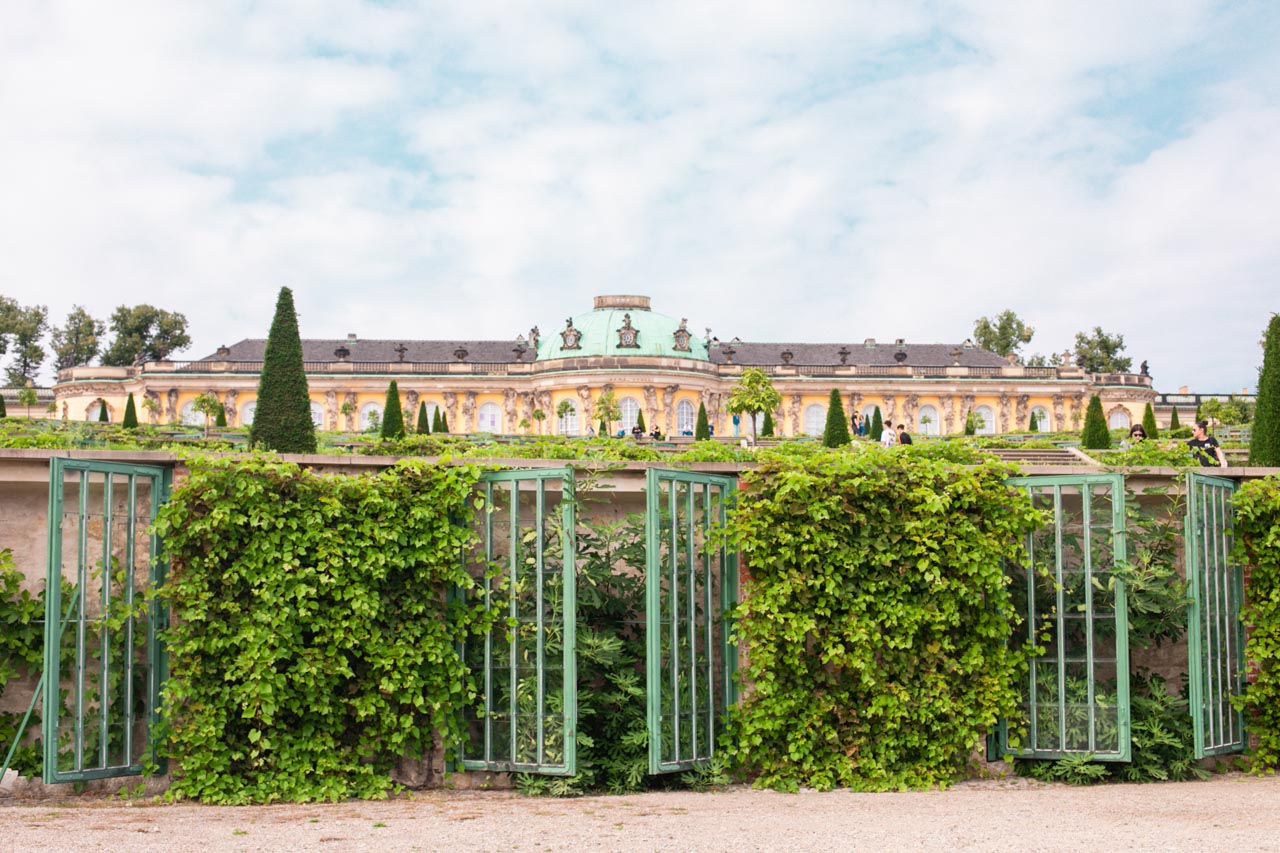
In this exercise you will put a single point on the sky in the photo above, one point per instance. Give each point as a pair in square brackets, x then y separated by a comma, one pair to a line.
[793, 171]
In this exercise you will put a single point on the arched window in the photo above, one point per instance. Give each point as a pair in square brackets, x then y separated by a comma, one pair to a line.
[927, 421]
[986, 421]
[685, 419]
[317, 415]
[1119, 418]
[431, 415]
[189, 416]
[815, 419]
[569, 420]
[630, 409]
[246, 413]
[368, 413]
[489, 418]
[1041, 414]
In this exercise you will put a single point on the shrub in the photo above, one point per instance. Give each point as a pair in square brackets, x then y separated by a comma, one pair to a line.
[1173, 420]
[1264, 445]
[1258, 545]
[424, 425]
[1149, 422]
[877, 617]
[392, 414]
[130, 413]
[1033, 424]
[3, 413]
[877, 426]
[103, 417]
[766, 429]
[836, 431]
[282, 420]
[1095, 435]
[702, 431]
[640, 421]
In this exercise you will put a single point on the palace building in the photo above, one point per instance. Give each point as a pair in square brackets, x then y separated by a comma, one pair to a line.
[550, 382]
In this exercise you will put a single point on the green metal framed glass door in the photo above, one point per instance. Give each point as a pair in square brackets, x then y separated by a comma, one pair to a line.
[104, 663]
[1075, 693]
[526, 720]
[691, 585]
[1215, 631]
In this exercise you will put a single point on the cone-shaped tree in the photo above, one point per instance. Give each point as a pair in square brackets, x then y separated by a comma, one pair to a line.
[3, 413]
[877, 426]
[640, 421]
[603, 432]
[221, 419]
[836, 432]
[424, 425]
[1173, 420]
[130, 413]
[1264, 446]
[1033, 425]
[444, 424]
[702, 431]
[1149, 422]
[103, 417]
[282, 420]
[437, 420]
[766, 429]
[1095, 435]
[392, 414]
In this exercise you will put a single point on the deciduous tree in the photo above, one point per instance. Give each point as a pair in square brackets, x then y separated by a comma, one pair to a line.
[1098, 352]
[1003, 334]
[146, 333]
[79, 340]
[753, 393]
[21, 330]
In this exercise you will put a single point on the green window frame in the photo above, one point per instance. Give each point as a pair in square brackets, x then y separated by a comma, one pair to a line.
[691, 586]
[108, 637]
[526, 720]
[1215, 630]
[1075, 696]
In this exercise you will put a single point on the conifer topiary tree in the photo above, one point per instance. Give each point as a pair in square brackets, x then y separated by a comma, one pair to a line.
[1095, 435]
[702, 432]
[221, 419]
[836, 431]
[130, 413]
[437, 421]
[877, 426]
[3, 413]
[424, 425]
[1149, 422]
[603, 431]
[103, 417]
[1033, 425]
[392, 414]
[640, 421]
[1264, 445]
[282, 420]
[1173, 420]
[766, 429]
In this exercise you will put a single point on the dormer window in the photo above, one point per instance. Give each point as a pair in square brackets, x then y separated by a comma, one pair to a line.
[570, 338]
[682, 336]
[628, 336]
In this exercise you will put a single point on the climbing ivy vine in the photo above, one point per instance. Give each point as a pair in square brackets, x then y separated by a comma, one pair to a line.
[1258, 540]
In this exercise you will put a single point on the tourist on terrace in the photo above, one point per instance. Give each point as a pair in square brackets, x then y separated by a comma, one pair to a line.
[1205, 447]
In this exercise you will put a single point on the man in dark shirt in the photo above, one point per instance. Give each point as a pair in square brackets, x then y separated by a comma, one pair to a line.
[1205, 447]
[903, 436]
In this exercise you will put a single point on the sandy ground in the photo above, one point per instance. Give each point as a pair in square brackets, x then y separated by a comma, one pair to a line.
[1233, 812]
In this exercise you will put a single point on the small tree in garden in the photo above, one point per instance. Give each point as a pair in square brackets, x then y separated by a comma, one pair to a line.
[640, 421]
[282, 421]
[444, 423]
[609, 411]
[210, 406]
[152, 408]
[603, 431]
[752, 394]
[1033, 425]
[103, 417]
[836, 431]
[392, 414]
[877, 426]
[437, 419]
[1173, 420]
[702, 432]
[766, 429]
[424, 423]
[1264, 445]
[1095, 435]
[563, 410]
[130, 413]
[539, 416]
[3, 413]
[27, 397]
[1149, 422]
[972, 421]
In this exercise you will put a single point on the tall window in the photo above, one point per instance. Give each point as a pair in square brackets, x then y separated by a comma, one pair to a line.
[1119, 419]
[569, 420]
[986, 420]
[367, 411]
[630, 409]
[927, 421]
[317, 415]
[188, 415]
[489, 418]
[685, 419]
[1042, 419]
[247, 412]
[815, 419]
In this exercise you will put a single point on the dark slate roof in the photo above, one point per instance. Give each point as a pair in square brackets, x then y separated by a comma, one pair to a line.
[253, 349]
[745, 353]
[881, 354]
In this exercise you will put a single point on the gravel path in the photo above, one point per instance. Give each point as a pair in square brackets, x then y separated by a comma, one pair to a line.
[1232, 812]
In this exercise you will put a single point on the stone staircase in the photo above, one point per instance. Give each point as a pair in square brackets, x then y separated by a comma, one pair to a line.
[1043, 456]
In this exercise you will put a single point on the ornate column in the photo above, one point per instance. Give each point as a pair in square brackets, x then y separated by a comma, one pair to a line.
[229, 406]
[588, 409]
[909, 406]
[890, 410]
[669, 406]
[469, 412]
[411, 411]
[330, 408]
[171, 410]
[948, 412]
[350, 397]
[1024, 405]
[650, 406]
[451, 408]
[794, 410]
[509, 410]
[1059, 412]
[1005, 403]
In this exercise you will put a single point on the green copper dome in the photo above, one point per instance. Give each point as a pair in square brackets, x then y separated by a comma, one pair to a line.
[616, 322]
